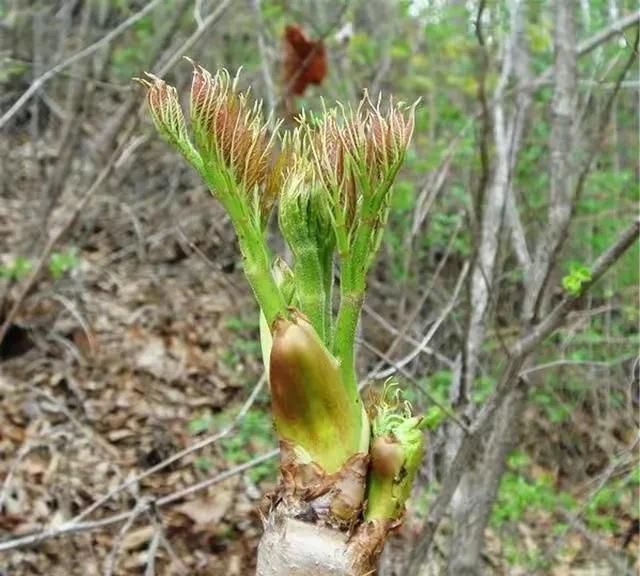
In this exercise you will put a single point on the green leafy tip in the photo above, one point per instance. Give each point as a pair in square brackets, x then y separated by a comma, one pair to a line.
[577, 277]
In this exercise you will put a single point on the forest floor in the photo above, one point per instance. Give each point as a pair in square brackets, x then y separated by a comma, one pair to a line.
[144, 346]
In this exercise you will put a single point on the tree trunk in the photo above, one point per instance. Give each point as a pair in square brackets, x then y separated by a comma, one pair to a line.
[478, 489]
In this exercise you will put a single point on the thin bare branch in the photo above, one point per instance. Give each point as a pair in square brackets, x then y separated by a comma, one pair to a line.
[492, 217]
[111, 165]
[52, 72]
[72, 527]
[264, 57]
[606, 34]
[56, 236]
[561, 190]
[406, 374]
[208, 441]
[398, 364]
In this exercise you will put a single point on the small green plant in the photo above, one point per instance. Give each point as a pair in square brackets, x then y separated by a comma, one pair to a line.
[201, 424]
[253, 435]
[601, 511]
[203, 463]
[62, 262]
[577, 277]
[129, 56]
[519, 495]
[553, 407]
[518, 555]
[240, 347]
[59, 264]
[16, 269]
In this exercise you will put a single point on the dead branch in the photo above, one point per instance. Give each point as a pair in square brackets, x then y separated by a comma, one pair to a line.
[52, 72]
[72, 527]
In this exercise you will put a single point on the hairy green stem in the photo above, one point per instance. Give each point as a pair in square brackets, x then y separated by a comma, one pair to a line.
[257, 267]
[381, 501]
[351, 300]
[310, 288]
[326, 262]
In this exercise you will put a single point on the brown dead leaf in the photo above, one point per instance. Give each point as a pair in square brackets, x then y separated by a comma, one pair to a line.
[208, 511]
[136, 538]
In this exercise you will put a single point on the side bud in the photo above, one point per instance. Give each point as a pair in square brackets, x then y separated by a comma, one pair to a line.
[396, 451]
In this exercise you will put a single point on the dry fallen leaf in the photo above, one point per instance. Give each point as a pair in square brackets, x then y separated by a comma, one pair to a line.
[136, 538]
[208, 511]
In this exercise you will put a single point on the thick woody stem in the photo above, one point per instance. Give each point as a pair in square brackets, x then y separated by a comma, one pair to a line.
[293, 548]
[290, 547]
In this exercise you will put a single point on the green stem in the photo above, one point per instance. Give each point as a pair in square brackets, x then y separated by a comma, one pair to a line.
[310, 288]
[257, 268]
[381, 500]
[351, 300]
[256, 258]
[327, 283]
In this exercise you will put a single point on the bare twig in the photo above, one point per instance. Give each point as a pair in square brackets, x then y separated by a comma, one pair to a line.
[567, 362]
[112, 558]
[561, 191]
[264, 58]
[152, 550]
[72, 527]
[106, 39]
[208, 441]
[573, 518]
[23, 452]
[399, 364]
[595, 41]
[195, 37]
[110, 166]
[400, 336]
[408, 321]
[490, 215]
[406, 374]
[614, 29]
[537, 334]
[485, 116]
[56, 236]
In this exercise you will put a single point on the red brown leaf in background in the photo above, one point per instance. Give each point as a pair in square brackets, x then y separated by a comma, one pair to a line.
[305, 62]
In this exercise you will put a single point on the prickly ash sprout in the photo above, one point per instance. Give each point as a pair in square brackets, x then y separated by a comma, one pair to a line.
[333, 177]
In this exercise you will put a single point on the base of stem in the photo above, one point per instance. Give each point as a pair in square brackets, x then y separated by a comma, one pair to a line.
[290, 547]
